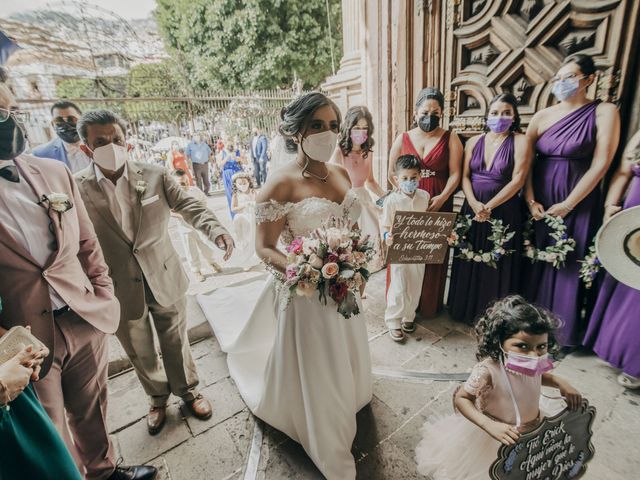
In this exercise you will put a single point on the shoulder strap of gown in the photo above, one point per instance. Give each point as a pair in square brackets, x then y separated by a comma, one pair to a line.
[271, 211]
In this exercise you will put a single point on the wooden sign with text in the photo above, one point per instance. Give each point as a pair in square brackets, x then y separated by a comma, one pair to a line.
[558, 448]
[420, 237]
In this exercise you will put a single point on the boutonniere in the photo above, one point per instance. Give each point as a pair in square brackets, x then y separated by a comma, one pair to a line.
[141, 187]
[58, 202]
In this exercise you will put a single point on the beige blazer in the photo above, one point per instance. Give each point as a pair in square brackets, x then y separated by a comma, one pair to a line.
[77, 270]
[150, 256]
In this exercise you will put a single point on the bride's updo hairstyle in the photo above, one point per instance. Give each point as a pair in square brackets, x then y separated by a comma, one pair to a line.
[509, 316]
[297, 115]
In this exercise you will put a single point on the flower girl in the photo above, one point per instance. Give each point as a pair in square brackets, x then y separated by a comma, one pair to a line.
[501, 398]
[243, 201]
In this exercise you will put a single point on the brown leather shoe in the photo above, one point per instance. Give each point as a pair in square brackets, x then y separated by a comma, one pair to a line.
[156, 419]
[199, 407]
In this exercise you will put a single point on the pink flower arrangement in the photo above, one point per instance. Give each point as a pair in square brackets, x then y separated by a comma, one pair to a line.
[332, 262]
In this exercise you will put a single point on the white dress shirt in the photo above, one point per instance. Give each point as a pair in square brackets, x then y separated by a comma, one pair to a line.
[401, 202]
[28, 223]
[77, 159]
[119, 198]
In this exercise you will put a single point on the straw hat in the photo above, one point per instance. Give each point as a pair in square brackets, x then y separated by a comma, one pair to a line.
[618, 246]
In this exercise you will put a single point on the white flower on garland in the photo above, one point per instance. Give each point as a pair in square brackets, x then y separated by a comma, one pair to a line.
[556, 253]
[500, 235]
[589, 267]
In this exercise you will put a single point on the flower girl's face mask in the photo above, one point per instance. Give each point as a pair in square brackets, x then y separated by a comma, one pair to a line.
[534, 364]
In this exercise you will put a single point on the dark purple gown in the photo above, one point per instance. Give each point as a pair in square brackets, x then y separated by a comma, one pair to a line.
[475, 285]
[614, 328]
[563, 155]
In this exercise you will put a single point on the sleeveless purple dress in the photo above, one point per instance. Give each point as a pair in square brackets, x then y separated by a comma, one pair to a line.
[563, 154]
[614, 328]
[475, 285]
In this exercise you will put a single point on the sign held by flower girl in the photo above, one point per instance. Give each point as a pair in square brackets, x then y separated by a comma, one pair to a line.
[559, 448]
[420, 237]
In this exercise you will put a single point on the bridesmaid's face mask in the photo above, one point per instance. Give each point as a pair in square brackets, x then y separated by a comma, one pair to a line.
[531, 366]
[429, 122]
[358, 137]
[498, 124]
[566, 88]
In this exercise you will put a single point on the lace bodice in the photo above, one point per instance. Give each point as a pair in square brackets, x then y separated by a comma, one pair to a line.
[306, 215]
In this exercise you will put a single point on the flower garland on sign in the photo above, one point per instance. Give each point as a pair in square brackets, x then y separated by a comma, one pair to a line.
[500, 235]
[555, 254]
[590, 267]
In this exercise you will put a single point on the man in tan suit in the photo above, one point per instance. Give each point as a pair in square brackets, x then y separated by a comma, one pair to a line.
[130, 205]
[53, 277]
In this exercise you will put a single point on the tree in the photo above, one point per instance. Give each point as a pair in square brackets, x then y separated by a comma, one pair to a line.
[251, 44]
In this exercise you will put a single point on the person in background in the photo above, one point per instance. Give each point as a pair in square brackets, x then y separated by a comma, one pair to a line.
[31, 446]
[193, 244]
[230, 166]
[130, 204]
[259, 149]
[575, 141]
[495, 170]
[354, 153]
[66, 146]
[613, 331]
[178, 161]
[54, 279]
[243, 203]
[199, 154]
[440, 152]
[405, 283]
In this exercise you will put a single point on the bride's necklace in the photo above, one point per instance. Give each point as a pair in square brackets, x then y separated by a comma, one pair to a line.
[311, 174]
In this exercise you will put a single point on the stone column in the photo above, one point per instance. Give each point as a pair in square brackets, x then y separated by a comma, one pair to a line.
[345, 87]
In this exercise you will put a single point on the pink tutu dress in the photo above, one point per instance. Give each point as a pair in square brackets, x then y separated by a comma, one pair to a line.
[453, 448]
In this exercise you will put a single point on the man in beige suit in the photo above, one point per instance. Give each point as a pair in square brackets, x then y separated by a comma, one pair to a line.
[53, 277]
[130, 205]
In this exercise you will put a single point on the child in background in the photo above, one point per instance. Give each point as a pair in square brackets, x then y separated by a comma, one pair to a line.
[243, 203]
[193, 244]
[405, 286]
[501, 398]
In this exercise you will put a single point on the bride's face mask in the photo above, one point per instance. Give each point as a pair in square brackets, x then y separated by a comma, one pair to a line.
[320, 138]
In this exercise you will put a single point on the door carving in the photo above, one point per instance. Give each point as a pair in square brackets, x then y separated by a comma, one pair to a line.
[495, 46]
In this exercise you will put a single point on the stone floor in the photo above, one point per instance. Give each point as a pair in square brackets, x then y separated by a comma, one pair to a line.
[233, 445]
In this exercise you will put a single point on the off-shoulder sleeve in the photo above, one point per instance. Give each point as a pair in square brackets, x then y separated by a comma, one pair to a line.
[271, 211]
[479, 382]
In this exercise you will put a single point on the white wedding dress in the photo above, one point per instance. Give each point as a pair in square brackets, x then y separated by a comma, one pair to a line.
[299, 365]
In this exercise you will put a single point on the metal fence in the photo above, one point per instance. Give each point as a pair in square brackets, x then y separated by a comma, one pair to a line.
[150, 119]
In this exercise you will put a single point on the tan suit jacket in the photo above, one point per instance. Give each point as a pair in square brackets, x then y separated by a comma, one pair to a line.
[150, 256]
[77, 270]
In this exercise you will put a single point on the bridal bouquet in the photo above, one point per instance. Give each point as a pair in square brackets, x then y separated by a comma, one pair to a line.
[332, 261]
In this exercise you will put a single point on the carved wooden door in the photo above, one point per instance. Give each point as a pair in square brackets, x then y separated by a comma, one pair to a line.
[518, 45]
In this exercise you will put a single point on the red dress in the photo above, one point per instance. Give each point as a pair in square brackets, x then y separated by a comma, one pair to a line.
[435, 174]
[180, 163]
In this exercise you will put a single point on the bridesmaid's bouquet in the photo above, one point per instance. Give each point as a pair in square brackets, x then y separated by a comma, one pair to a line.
[333, 262]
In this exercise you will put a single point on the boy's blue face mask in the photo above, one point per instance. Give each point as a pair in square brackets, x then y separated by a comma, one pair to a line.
[409, 186]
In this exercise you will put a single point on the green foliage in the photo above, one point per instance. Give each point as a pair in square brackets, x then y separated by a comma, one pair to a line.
[251, 44]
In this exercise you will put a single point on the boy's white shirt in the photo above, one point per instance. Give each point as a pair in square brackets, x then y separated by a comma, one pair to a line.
[400, 201]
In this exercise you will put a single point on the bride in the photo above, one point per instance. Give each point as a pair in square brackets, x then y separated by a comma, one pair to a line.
[299, 365]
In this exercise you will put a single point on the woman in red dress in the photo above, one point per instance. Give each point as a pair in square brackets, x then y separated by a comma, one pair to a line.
[441, 152]
[179, 162]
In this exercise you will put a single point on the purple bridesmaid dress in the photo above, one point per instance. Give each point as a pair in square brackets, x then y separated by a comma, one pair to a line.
[475, 285]
[563, 155]
[614, 328]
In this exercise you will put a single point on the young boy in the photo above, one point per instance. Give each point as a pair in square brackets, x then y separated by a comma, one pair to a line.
[190, 238]
[406, 279]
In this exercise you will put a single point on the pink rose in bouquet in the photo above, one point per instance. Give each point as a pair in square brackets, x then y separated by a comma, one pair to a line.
[333, 262]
